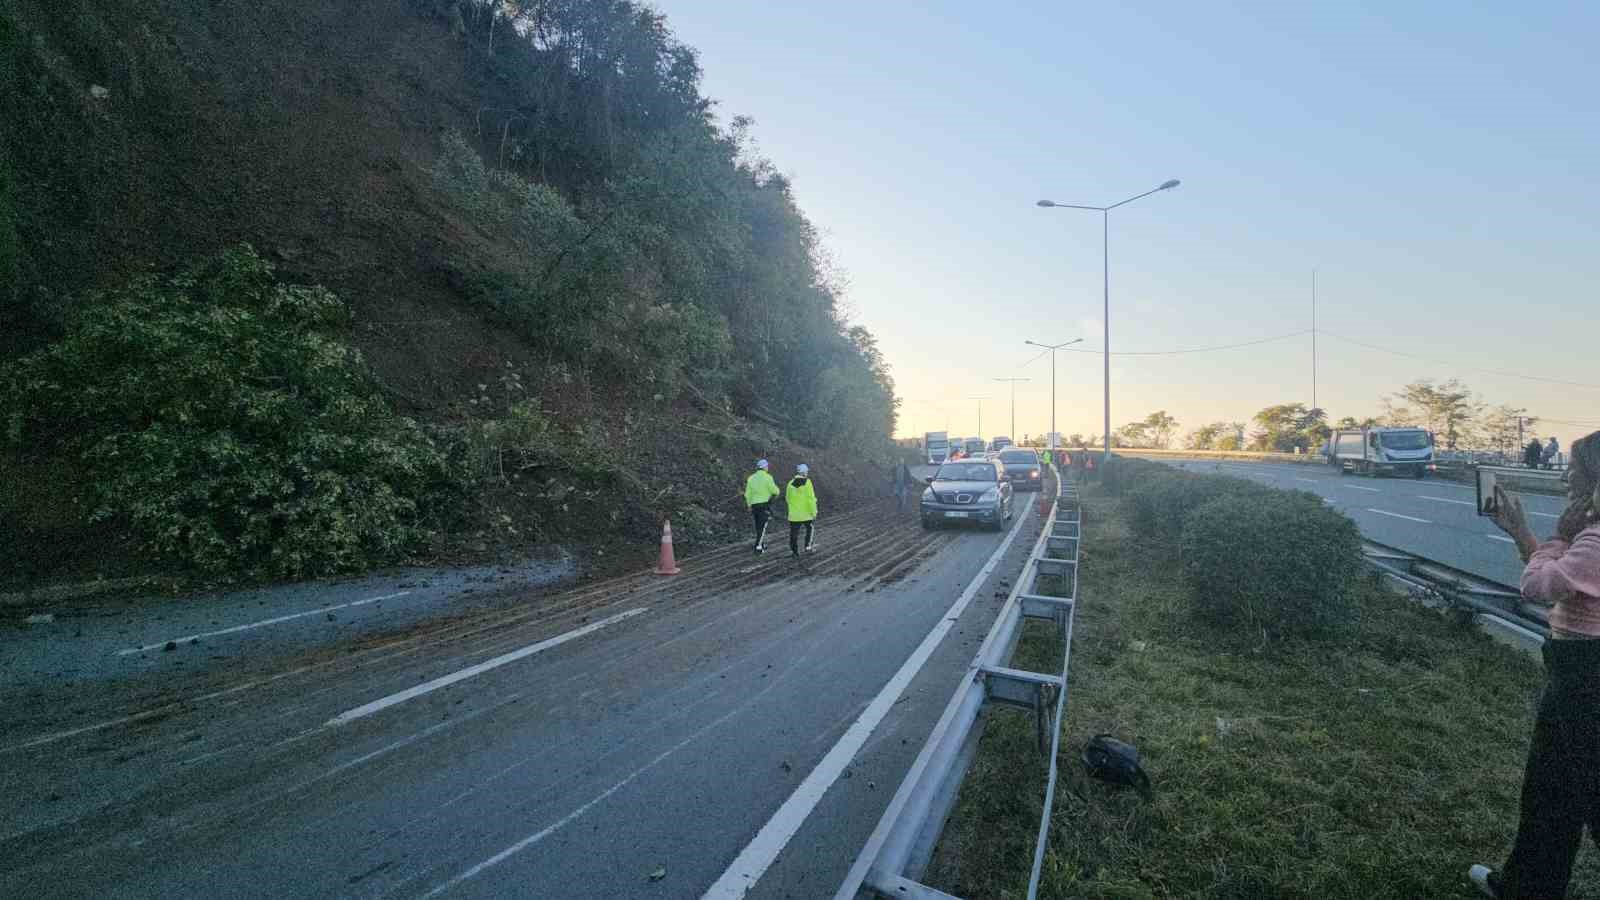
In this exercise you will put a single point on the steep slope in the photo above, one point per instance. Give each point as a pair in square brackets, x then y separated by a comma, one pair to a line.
[518, 202]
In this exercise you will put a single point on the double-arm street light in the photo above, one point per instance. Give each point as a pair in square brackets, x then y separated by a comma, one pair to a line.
[1013, 381]
[1105, 257]
[1052, 348]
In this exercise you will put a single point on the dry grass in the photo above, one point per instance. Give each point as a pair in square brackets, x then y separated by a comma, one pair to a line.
[1376, 768]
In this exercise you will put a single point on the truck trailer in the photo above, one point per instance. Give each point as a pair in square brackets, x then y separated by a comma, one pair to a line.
[937, 446]
[1381, 451]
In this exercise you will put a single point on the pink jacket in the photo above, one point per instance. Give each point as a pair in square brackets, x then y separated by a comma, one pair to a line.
[1568, 576]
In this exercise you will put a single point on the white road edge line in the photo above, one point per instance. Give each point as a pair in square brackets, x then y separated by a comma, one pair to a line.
[446, 680]
[1384, 512]
[1357, 487]
[764, 848]
[1499, 537]
[1446, 500]
[309, 612]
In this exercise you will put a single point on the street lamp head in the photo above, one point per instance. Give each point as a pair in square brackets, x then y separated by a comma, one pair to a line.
[1047, 203]
[1169, 185]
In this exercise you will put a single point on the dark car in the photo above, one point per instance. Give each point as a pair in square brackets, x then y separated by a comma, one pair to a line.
[968, 490]
[1023, 468]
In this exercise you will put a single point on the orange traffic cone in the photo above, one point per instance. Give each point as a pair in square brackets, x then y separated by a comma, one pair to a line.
[667, 565]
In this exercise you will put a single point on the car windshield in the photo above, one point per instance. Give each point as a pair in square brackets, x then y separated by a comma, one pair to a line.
[1405, 440]
[966, 472]
[1019, 456]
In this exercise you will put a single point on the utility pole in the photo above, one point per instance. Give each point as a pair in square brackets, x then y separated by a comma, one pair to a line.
[1050, 441]
[980, 398]
[1314, 340]
[1013, 381]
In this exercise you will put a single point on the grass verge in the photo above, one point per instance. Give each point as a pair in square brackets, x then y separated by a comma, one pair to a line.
[1377, 767]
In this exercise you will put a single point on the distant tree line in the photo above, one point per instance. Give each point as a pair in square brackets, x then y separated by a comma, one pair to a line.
[1458, 419]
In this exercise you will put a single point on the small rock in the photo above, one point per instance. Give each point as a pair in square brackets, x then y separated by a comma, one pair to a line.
[169, 646]
[872, 785]
[1139, 646]
[41, 619]
[98, 92]
[785, 766]
[193, 641]
[848, 773]
[660, 873]
[332, 617]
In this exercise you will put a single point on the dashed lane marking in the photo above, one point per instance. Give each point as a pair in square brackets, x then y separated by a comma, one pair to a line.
[264, 622]
[1384, 512]
[472, 671]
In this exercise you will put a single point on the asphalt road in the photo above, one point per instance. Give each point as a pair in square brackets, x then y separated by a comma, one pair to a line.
[1429, 517]
[628, 739]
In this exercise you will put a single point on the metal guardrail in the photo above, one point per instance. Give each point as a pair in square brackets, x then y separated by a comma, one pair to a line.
[1458, 588]
[901, 845]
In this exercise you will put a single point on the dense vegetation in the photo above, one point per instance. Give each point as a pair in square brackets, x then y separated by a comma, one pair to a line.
[215, 413]
[544, 243]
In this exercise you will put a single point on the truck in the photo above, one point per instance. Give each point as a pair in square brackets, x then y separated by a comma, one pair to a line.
[974, 446]
[1380, 451]
[999, 443]
[937, 446]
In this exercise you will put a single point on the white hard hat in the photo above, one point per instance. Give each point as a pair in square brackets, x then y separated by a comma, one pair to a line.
[802, 468]
[761, 464]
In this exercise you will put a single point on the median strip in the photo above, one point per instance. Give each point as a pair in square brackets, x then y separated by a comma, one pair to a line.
[471, 671]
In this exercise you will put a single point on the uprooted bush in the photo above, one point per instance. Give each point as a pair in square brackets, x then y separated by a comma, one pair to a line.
[215, 413]
[1276, 563]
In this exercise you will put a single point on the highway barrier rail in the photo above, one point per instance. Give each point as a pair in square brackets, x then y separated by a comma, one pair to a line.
[901, 845]
[1453, 587]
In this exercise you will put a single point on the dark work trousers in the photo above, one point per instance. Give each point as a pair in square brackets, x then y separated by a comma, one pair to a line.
[762, 513]
[1561, 784]
[794, 535]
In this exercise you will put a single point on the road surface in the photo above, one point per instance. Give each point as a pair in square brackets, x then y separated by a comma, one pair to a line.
[1429, 517]
[740, 726]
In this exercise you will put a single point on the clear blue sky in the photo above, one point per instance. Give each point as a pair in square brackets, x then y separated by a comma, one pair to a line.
[1435, 162]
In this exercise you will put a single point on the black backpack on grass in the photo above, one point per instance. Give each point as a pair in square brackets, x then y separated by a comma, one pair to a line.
[1109, 759]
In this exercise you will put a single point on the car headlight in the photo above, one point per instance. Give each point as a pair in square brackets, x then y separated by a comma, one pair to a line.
[927, 495]
[990, 495]
[1033, 473]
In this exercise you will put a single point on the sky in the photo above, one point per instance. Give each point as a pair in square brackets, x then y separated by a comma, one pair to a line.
[1433, 163]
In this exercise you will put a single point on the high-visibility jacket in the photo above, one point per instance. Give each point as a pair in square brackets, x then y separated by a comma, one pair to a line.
[801, 498]
[759, 488]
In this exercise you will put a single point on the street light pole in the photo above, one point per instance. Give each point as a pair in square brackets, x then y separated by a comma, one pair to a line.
[1052, 348]
[980, 398]
[1013, 434]
[1105, 262]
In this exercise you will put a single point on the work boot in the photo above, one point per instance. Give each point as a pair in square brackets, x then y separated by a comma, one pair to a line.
[760, 548]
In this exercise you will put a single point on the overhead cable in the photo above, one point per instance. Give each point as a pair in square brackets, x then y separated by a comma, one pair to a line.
[1441, 362]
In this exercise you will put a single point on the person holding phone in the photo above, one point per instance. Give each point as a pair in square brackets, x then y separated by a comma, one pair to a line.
[1561, 783]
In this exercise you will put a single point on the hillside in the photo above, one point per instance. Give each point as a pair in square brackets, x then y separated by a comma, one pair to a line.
[594, 301]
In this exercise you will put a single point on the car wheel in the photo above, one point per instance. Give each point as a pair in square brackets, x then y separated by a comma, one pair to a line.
[927, 524]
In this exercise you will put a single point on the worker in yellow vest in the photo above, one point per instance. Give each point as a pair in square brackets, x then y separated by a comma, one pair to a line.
[759, 492]
[800, 496]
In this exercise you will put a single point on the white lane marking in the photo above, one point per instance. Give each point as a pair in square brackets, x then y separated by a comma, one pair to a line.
[764, 848]
[1384, 512]
[1499, 537]
[207, 634]
[1447, 500]
[1357, 487]
[447, 680]
[1311, 480]
[545, 832]
[1546, 515]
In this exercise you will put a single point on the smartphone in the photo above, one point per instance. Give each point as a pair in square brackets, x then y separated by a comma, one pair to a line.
[1486, 486]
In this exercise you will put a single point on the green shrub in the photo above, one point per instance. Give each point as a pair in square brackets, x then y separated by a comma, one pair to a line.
[1161, 501]
[1276, 563]
[215, 414]
[1120, 472]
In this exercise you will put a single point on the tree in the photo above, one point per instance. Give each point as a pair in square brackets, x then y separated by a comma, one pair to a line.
[1233, 438]
[1206, 436]
[1076, 440]
[1448, 409]
[1159, 427]
[1503, 428]
[1289, 426]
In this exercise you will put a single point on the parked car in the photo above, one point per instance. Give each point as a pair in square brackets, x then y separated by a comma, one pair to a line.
[1023, 468]
[968, 490]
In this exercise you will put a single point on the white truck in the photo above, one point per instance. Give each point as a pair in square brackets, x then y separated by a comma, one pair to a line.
[937, 445]
[1375, 451]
